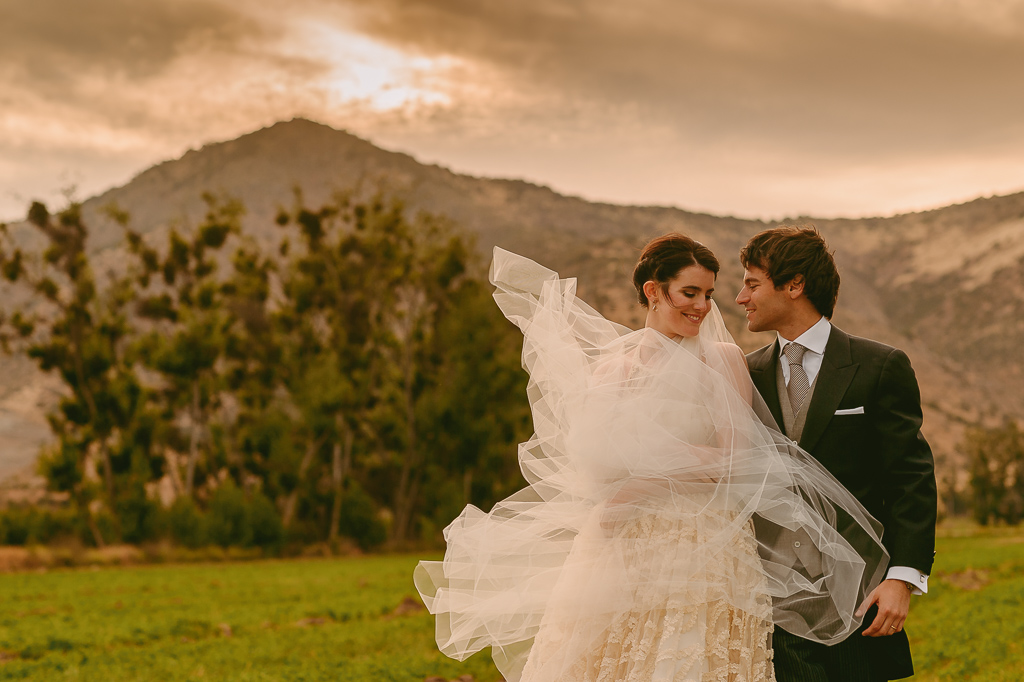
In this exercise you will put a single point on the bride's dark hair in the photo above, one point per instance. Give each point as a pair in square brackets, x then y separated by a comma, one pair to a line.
[665, 256]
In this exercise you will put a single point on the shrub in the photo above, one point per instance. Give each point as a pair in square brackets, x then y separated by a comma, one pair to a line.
[138, 515]
[359, 519]
[186, 524]
[33, 525]
[228, 519]
[267, 530]
[996, 458]
[13, 527]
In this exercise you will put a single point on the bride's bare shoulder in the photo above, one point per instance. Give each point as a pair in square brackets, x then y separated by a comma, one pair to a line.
[732, 353]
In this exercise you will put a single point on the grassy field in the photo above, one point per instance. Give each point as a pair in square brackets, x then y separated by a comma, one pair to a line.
[340, 620]
[265, 620]
[970, 626]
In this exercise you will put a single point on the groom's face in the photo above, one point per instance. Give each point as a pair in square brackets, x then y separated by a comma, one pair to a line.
[767, 308]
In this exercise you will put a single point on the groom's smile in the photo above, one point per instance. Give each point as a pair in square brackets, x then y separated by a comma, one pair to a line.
[763, 303]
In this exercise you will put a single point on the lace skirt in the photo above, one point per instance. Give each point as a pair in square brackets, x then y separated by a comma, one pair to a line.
[693, 635]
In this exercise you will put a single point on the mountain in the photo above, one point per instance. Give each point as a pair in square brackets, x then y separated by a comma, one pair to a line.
[945, 285]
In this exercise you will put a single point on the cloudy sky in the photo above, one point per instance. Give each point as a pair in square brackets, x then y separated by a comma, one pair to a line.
[761, 108]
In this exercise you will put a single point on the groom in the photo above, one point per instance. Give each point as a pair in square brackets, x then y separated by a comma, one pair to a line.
[854, 404]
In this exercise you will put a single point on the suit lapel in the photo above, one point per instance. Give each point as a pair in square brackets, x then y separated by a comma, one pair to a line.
[834, 377]
[762, 373]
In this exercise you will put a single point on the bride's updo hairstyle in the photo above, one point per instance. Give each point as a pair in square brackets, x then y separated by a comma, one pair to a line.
[665, 257]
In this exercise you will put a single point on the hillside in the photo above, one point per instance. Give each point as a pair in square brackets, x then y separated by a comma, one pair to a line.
[946, 285]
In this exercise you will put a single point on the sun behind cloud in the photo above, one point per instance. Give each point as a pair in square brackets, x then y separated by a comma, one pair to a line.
[758, 108]
[363, 71]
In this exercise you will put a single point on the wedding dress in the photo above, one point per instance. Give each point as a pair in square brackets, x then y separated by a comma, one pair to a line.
[665, 530]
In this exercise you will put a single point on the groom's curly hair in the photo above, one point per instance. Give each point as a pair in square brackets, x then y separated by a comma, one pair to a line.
[789, 251]
[665, 257]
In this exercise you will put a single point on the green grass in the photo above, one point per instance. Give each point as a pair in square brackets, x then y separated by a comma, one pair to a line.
[970, 626]
[288, 620]
[333, 620]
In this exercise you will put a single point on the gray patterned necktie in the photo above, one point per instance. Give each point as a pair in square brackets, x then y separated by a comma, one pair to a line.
[798, 384]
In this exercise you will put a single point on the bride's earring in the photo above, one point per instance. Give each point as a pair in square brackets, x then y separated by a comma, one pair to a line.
[655, 306]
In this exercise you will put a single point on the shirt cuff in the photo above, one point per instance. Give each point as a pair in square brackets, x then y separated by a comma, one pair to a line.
[912, 576]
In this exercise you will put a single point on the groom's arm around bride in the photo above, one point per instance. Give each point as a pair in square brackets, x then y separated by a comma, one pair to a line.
[854, 404]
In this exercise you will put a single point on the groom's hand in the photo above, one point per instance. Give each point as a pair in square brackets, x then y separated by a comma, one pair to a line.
[893, 600]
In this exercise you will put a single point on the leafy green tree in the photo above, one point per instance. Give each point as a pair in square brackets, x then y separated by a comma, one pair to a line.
[384, 326]
[359, 373]
[70, 327]
[327, 325]
[253, 434]
[477, 409]
[996, 457]
[182, 297]
[425, 278]
[451, 400]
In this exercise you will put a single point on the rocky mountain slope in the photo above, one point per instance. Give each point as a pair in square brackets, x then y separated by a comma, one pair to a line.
[946, 285]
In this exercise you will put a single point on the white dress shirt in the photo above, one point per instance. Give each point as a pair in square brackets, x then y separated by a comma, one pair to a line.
[814, 340]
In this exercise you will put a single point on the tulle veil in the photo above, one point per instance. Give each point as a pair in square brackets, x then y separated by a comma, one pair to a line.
[630, 423]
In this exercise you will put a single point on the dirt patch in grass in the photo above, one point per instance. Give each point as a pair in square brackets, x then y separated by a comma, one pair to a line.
[13, 559]
[971, 579]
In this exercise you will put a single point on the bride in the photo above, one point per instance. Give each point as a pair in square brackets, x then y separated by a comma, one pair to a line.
[665, 529]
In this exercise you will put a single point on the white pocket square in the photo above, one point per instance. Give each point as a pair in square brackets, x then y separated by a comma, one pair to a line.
[852, 410]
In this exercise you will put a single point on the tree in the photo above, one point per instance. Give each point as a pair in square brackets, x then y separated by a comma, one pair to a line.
[359, 372]
[327, 322]
[256, 428]
[477, 409]
[394, 351]
[419, 266]
[996, 457]
[183, 299]
[70, 327]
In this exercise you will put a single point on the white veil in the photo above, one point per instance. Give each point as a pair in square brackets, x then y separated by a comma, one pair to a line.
[632, 422]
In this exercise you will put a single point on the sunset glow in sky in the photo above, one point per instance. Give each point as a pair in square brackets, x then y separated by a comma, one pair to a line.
[757, 108]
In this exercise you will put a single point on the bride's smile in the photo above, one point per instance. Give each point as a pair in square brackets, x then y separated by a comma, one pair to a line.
[678, 307]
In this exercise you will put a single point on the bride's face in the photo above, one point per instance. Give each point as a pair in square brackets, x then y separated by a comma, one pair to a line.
[678, 310]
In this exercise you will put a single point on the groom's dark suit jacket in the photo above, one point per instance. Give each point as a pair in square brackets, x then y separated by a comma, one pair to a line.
[880, 456]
